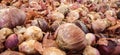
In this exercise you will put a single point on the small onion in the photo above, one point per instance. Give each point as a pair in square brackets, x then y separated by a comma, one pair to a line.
[11, 53]
[11, 41]
[73, 15]
[99, 25]
[63, 9]
[4, 32]
[90, 38]
[53, 51]
[56, 16]
[55, 25]
[11, 17]
[33, 32]
[81, 25]
[27, 47]
[71, 37]
[42, 23]
[90, 51]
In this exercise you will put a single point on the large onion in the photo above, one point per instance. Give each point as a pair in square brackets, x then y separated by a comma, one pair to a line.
[69, 36]
[11, 17]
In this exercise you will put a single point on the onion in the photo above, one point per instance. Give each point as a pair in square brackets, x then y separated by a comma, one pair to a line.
[63, 9]
[99, 25]
[11, 53]
[90, 51]
[42, 23]
[33, 32]
[27, 47]
[11, 41]
[90, 38]
[56, 16]
[106, 46]
[73, 15]
[53, 51]
[71, 37]
[11, 17]
[81, 25]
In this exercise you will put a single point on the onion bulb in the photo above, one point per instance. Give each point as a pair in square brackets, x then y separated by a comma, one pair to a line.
[71, 37]
[90, 51]
[33, 32]
[53, 51]
[11, 17]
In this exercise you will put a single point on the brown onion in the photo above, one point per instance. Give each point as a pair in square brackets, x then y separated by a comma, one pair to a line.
[56, 16]
[72, 16]
[63, 9]
[53, 51]
[11, 17]
[69, 36]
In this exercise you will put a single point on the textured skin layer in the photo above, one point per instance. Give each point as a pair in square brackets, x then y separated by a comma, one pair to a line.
[69, 36]
[11, 17]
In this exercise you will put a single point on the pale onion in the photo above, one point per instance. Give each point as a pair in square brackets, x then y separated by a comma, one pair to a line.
[33, 32]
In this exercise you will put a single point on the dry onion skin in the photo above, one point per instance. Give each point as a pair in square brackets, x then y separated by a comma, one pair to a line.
[71, 37]
[11, 17]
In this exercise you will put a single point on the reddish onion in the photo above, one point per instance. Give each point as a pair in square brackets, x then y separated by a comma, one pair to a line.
[106, 46]
[11, 41]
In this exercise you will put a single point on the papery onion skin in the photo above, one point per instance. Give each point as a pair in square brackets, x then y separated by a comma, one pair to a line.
[11, 17]
[71, 37]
